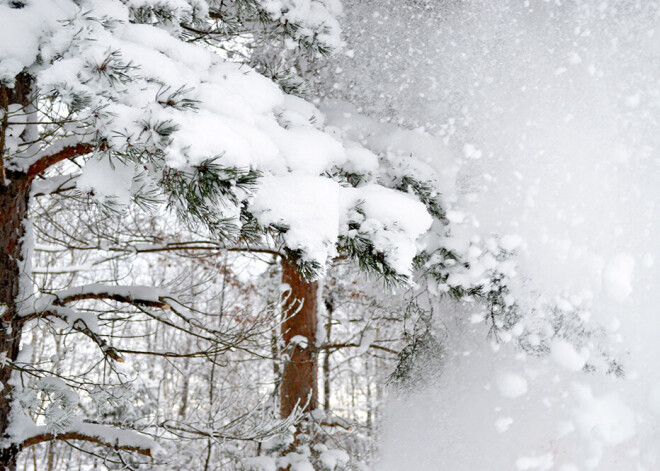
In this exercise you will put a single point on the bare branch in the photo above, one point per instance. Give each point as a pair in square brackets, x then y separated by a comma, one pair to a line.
[338, 346]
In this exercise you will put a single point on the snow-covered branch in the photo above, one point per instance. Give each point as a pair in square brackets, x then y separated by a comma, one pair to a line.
[55, 184]
[56, 153]
[85, 323]
[137, 295]
[98, 434]
[140, 295]
[53, 305]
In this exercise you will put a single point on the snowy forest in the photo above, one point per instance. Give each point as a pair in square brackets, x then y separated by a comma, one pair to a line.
[330, 235]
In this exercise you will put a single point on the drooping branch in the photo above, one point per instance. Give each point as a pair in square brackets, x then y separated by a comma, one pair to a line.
[54, 305]
[78, 322]
[233, 429]
[167, 354]
[105, 347]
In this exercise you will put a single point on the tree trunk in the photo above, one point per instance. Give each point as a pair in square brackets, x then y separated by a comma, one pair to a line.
[299, 376]
[185, 390]
[369, 400]
[14, 195]
[13, 201]
[329, 307]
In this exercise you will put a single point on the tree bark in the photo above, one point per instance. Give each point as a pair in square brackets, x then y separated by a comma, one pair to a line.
[14, 195]
[13, 201]
[299, 375]
[329, 307]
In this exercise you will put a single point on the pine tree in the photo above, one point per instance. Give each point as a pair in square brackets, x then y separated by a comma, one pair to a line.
[81, 87]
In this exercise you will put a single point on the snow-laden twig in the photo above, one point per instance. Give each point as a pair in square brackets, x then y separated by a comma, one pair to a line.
[53, 185]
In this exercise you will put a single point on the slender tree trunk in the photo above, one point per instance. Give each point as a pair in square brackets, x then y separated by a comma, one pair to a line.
[183, 409]
[14, 195]
[299, 376]
[369, 400]
[209, 444]
[50, 463]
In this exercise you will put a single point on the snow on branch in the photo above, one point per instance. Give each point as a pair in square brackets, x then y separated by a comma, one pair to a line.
[112, 437]
[55, 184]
[58, 152]
[135, 294]
[107, 349]
[84, 322]
[141, 295]
[53, 305]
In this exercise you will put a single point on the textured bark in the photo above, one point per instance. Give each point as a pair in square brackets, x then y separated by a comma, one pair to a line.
[327, 392]
[13, 204]
[14, 195]
[299, 376]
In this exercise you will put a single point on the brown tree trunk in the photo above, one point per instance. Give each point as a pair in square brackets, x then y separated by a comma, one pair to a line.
[13, 211]
[299, 375]
[329, 307]
[14, 195]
